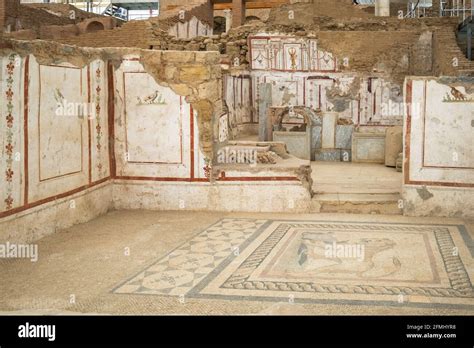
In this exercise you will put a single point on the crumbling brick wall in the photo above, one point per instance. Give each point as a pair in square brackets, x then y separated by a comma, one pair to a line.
[45, 21]
[202, 12]
[132, 34]
[8, 14]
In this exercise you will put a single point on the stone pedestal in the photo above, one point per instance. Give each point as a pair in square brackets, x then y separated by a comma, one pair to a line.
[382, 8]
[393, 145]
[368, 147]
[329, 130]
[264, 104]
[399, 166]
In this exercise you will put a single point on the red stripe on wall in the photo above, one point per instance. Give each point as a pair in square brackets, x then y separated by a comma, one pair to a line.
[25, 127]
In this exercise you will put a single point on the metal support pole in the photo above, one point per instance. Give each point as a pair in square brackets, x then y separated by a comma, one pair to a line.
[463, 10]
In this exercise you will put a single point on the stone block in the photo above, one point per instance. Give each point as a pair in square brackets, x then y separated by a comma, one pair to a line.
[192, 47]
[316, 138]
[297, 143]
[344, 136]
[264, 104]
[214, 47]
[393, 145]
[368, 147]
[399, 163]
[194, 73]
[328, 155]
[329, 130]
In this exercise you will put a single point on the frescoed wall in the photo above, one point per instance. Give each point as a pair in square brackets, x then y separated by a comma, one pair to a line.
[439, 147]
[238, 98]
[57, 137]
[155, 130]
[303, 74]
[55, 134]
[291, 54]
[190, 29]
[78, 140]
[11, 132]
[54, 146]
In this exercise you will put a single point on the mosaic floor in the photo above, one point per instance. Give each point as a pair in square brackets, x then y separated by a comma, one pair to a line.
[317, 262]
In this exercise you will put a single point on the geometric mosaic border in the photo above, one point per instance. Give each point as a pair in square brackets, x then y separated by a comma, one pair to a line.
[458, 277]
[214, 249]
[208, 250]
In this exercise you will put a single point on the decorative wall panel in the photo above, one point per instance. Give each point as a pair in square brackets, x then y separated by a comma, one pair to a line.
[98, 126]
[283, 53]
[11, 132]
[154, 129]
[57, 129]
[439, 135]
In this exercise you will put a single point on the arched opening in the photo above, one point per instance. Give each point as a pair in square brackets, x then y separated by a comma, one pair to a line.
[219, 25]
[94, 26]
[251, 19]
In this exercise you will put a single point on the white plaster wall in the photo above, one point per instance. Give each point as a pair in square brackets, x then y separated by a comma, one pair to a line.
[58, 144]
[55, 178]
[153, 128]
[441, 133]
[36, 223]
[438, 201]
[439, 147]
[223, 196]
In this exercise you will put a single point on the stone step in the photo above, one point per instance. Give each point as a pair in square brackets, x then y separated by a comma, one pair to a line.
[349, 203]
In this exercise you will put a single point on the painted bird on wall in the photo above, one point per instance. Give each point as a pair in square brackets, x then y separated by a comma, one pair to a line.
[458, 95]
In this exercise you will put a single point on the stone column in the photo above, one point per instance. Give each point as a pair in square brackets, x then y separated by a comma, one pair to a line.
[382, 8]
[238, 13]
[228, 20]
[265, 101]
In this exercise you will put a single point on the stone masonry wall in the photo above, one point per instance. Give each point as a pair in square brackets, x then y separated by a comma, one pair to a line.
[8, 13]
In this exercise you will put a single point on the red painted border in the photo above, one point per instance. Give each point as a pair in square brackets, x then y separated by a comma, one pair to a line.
[191, 145]
[25, 127]
[112, 159]
[89, 127]
[407, 181]
[268, 38]
[111, 118]
[51, 199]
[42, 180]
[26, 204]
[423, 165]
[124, 74]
